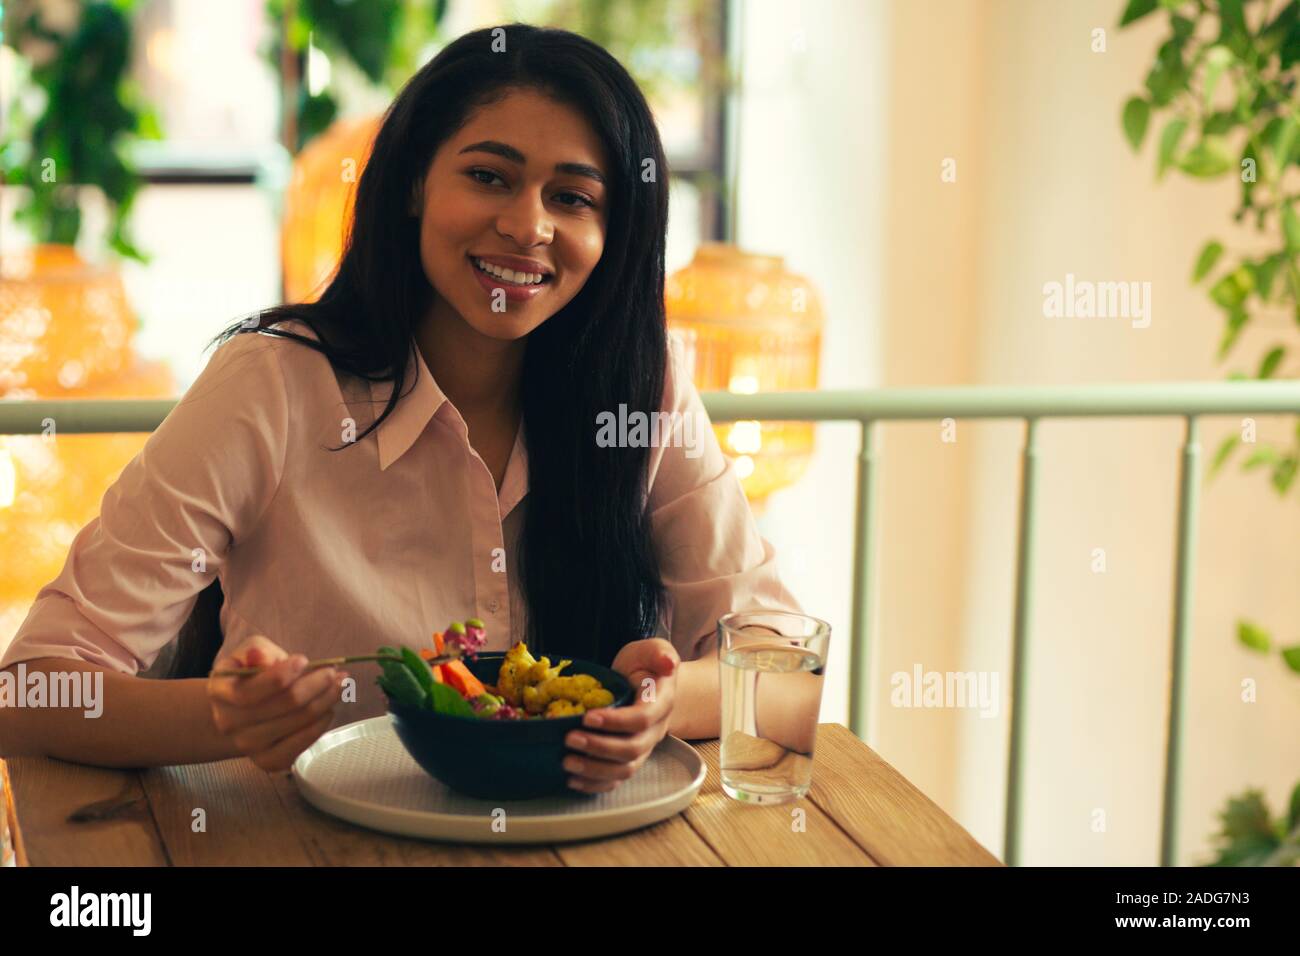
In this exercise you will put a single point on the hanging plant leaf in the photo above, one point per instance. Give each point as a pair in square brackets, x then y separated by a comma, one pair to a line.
[1253, 636]
[1217, 59]
[1226, 448]
[1284, 470]
[1169, 76]
[1262, 273]
[1136, 113]
[1270, 362]
[1237, 319]
[1284, 141]
[1233, 32]
[1231, 291]
[1136, 10]
[1291, 228]
[1206, 260]
[1169, 138]
[1266, 455]
[1209, 158]
[1247, 836]
[1216, 124]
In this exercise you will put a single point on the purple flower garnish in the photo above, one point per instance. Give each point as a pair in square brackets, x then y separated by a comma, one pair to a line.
[468, 639]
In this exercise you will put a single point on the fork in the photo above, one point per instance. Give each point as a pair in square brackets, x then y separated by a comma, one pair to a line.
[335, 662]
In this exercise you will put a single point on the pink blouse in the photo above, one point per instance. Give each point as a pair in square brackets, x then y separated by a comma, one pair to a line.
[338, 552]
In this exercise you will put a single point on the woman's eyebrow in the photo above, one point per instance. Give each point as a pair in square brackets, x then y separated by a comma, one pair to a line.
[506, 151]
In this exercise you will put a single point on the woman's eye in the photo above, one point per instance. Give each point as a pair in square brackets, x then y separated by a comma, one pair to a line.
[583, 200]
[476, 173]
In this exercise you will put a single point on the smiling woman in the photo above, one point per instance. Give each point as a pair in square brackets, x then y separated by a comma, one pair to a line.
[527, 225]
[506, 260]
[521, 147]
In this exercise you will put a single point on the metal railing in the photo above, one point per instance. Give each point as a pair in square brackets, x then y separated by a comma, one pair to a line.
[1187, 400]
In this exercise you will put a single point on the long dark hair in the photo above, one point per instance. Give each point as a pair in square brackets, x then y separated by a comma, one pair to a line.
[587, 563]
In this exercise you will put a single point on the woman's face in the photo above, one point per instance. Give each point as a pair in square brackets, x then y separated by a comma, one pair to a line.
[519, 186]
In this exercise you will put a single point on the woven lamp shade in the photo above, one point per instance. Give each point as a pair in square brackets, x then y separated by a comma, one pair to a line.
[65, 332]
[318, 205]
[750, 325]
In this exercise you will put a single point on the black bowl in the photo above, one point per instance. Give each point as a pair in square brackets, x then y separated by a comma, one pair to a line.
[498, 759]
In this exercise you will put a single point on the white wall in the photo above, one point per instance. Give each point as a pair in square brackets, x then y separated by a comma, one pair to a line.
[1061, 192]
[808, 160]
[933, 283]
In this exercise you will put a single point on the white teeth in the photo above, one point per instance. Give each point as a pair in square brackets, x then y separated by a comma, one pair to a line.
[510, 275]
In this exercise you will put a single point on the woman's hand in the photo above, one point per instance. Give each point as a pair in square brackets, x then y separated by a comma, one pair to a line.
[273, 716]
[626, 735]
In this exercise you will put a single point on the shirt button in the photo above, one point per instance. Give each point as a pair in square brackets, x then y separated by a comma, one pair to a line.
[493, 605]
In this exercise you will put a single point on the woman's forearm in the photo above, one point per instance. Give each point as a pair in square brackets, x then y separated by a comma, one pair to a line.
[697, 709]
[141, 722]
[697, 705]
[789, 708]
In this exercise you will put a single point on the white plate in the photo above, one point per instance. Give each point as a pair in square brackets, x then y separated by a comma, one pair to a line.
[363, 774]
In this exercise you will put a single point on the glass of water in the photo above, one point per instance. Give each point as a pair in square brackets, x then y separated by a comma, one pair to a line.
[772, 666]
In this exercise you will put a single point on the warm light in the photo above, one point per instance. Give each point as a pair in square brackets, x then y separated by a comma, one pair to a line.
[8, 479]
[318, 205]
[161, 52]
[745, 438]
[318, 70]
[753, 326]
[743, 384]
[65, 332]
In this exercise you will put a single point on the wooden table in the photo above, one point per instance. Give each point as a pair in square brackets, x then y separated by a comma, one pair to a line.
[859, 812]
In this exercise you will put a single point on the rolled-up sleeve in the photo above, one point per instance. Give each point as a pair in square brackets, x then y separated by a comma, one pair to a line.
[712, 558]
[167, 524]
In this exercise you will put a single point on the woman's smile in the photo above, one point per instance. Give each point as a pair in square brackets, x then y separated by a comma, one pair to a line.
[515, 292]
[520, 194]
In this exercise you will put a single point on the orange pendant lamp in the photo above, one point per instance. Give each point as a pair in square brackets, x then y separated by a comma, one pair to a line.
[65, 332]
[318, 205]
[752, 325]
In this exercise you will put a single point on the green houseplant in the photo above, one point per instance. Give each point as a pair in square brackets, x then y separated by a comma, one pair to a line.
[83, 111]
[368, 36]
[1224, 83]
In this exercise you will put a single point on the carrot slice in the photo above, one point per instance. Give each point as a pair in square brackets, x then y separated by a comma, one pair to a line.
[439, 648]
[428, 654]
[457, 675]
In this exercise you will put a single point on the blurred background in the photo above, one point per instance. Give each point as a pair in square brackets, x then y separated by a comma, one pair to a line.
[865, 194]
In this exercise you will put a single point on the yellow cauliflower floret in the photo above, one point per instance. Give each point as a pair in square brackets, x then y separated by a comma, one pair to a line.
[584, 682]
[519, 655]
[539, 671]
[508, 682]
[543, 671]
[513, 676]
[577, 689]
[563, 708]
[538, 687]
[535, 699]
[598, 697]
[564, 688]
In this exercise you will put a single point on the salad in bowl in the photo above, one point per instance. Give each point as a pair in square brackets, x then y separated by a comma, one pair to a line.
[491, 724]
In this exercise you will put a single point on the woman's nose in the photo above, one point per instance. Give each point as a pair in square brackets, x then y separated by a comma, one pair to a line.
[526, 221]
